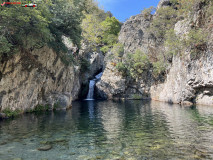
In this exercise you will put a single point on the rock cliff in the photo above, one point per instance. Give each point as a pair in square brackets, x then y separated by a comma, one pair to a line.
[36, 78]
[187, 80]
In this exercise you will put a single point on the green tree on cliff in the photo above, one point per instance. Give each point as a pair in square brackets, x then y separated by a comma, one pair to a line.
[100, 31]
[29, 28]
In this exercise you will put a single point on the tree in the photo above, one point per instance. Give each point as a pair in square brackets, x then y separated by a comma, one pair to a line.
[23, 28]
[91, 30]
[110, 28]
[99, 32]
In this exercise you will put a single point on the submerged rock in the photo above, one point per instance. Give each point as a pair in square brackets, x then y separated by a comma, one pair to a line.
[45, 148]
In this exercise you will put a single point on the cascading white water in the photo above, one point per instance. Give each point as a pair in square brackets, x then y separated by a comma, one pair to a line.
[92, 86]
[91, 90]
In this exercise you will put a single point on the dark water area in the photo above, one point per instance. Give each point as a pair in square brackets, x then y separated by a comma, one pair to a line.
[130, 130]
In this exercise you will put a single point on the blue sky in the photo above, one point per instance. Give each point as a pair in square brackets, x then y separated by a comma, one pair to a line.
[123, 9]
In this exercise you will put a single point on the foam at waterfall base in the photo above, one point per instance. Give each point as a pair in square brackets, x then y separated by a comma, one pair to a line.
[89, 99]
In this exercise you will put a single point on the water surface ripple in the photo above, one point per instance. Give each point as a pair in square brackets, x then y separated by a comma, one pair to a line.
[130, 130]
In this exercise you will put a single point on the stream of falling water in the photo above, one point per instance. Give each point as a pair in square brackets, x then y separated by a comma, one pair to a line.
[90, 95]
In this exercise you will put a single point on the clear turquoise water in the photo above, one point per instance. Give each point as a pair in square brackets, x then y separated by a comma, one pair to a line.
[131, 130]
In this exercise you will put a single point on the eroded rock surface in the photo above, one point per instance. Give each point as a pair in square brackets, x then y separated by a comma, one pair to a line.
[111, 85]
[37, 77]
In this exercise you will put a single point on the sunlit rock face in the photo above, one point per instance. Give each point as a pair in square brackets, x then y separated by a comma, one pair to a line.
[187, 81]
[134, 35]
[111, 84]
[37, 77]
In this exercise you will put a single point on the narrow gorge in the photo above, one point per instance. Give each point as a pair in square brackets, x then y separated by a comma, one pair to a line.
[77, 82]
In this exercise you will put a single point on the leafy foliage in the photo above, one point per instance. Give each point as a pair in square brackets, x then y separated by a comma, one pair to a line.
[148, 11]
[91, 29]
[40, 108]
[196, 40]
[23, 27]
[4, 45]
[110, 27]
[67, 59]
[136, 96]
[187, 6]
[100, 31]
[29, 28]
[84, 64]
[165, 20]
[118, 50]
[134, 64]
[173, 43]
[11, 113]
[159, 67]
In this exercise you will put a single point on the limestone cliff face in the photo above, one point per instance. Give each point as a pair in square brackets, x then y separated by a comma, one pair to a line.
[134, 36]
[188, 80]
[37, 77]
[112, 84]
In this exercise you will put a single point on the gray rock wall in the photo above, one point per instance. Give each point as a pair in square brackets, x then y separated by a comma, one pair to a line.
[133, 34]
[38, 77]
[187, 81]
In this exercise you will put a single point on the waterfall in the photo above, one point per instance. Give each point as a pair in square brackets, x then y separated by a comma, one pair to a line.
[92, 86]
[91, 90]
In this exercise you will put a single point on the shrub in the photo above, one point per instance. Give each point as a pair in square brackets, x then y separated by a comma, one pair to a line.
[5, 46]
[187, 6]
[134, 64]
[148, 12]
[118, 50]
[141, 62]
[40, 108]
[195, 37]
[173, 43]
[105, 49]
[67, 59]
[136, 96]
[196, 40]
[56, 106]
[159, 67]
[84, 65]
[165, 20]
[11, 113]
[122, 68]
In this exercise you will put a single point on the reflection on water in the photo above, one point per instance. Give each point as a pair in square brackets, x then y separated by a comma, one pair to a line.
[111, 130]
